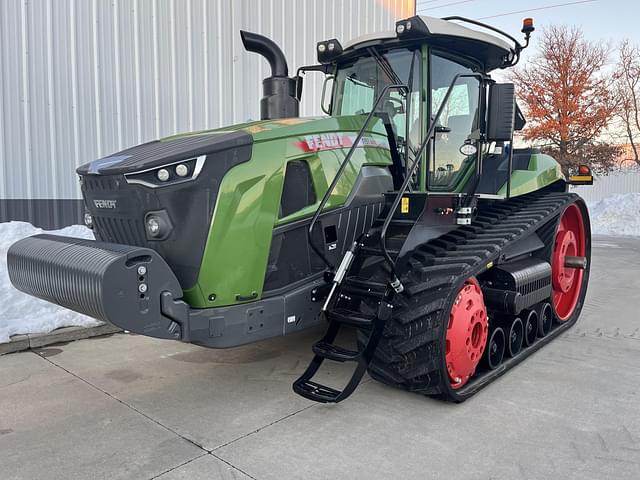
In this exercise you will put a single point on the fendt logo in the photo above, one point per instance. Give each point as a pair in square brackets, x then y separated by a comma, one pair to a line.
[105, 204]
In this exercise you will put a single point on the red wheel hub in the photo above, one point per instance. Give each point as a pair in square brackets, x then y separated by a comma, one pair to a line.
[466, 334]
[567, 282]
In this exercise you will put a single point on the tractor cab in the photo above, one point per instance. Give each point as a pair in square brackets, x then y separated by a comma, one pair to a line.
[425, 67]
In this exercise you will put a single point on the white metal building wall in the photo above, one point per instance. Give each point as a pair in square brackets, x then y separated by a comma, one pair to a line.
[80, 79]
[624, 181]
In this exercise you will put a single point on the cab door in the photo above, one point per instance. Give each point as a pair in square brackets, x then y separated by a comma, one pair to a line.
[450, 160]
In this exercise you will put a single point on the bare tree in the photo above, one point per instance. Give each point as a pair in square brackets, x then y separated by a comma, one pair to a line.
[628, 93]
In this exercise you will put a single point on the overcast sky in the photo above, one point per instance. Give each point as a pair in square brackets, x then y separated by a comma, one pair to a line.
[609, 20]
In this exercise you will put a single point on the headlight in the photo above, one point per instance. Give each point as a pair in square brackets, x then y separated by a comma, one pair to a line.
[153, 226]
[158, 225]
[169, 174]
[182, 170]
[163, 174]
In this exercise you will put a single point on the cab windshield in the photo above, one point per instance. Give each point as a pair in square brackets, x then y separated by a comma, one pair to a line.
[360, 82]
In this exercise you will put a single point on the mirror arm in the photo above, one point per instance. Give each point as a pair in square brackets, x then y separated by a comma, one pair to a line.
[315, 68]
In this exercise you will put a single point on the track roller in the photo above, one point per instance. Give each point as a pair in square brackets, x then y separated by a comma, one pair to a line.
[530, 327]
[514, 335]
[495, 348]
[545, 318]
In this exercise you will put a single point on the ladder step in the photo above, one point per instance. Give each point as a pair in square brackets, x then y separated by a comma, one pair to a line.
[361, 292]
[364, 283]
[403, 221]
[399, 222]
[355, 319]
[334, 352]
[376, 251]
[315, 391]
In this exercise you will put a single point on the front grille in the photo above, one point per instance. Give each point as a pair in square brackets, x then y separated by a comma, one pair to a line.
[97, 183]
[126, 231]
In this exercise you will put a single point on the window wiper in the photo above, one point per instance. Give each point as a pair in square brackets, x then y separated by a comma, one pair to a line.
[384, 65]
[360, 83]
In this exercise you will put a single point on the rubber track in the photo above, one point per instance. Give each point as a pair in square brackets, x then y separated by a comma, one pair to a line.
[409, 355]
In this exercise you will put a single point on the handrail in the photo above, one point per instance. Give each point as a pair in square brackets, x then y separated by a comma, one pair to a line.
[518, 47]
[425, 143]
[343, 165]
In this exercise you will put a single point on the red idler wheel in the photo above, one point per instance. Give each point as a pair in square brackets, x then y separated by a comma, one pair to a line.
[570, 241]
[466, 334]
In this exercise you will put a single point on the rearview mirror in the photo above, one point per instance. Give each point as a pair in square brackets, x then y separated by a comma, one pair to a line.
[327, 85]
[502, 110]
[299, 81]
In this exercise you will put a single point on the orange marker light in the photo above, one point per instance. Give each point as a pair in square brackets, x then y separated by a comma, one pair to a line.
[527, 25]
[584, 170]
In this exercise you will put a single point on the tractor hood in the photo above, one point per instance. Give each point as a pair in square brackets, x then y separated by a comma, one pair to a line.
[166, 151]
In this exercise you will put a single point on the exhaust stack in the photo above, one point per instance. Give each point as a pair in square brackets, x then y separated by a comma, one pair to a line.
[279, 90]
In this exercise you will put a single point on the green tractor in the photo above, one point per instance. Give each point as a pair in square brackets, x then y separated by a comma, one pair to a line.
[406, 212]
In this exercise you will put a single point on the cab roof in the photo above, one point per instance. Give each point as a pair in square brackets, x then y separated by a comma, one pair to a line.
[489, 50]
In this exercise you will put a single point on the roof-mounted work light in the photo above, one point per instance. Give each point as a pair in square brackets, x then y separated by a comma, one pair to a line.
[413, 26]
[328, 50]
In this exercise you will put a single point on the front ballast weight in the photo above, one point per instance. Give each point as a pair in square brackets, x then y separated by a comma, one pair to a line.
[131, 287]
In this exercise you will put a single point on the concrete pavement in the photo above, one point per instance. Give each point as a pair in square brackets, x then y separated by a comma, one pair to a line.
[132, 407]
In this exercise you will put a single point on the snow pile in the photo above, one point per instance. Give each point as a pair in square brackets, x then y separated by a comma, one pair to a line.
[21, 313]
[617, 214]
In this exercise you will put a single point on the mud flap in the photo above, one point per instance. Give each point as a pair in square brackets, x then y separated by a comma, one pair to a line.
[131, 287]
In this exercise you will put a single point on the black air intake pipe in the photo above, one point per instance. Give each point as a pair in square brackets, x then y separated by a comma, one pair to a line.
[279, 90]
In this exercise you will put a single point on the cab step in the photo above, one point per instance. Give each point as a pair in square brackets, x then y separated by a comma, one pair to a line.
[347, 317]
[334, 352]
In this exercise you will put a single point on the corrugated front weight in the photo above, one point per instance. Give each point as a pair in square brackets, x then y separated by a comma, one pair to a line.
[98, 279]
